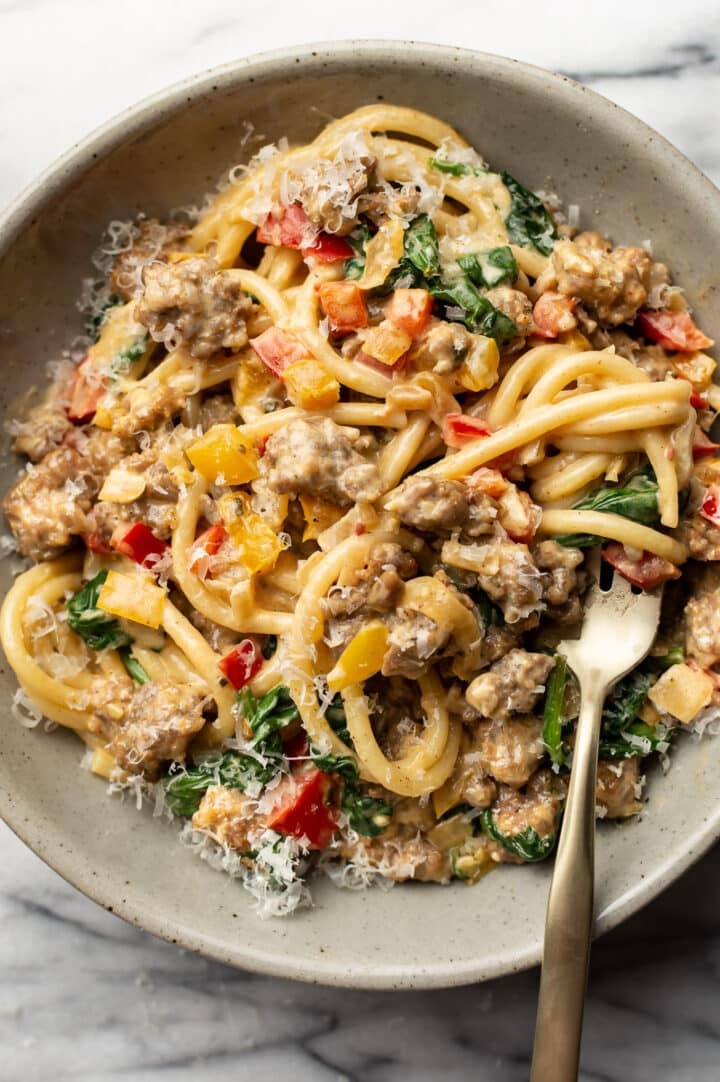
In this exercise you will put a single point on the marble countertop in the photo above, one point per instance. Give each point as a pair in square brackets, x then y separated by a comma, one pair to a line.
[83, 996]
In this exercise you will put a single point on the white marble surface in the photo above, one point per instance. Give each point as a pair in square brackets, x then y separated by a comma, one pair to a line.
[85, 997]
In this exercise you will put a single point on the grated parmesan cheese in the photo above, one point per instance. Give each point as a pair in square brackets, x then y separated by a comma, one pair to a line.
[24, 711]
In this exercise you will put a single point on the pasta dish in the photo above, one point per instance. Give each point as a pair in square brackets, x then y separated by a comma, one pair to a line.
[307, 512]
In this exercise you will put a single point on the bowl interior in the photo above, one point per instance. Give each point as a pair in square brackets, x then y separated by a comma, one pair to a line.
[550, 133]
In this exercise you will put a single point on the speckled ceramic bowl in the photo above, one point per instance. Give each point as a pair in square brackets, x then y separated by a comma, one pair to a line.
[168, 151]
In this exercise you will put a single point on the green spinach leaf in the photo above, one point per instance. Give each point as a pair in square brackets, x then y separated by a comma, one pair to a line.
[491, 268]
[184, 788]
[528, 222]
[553, 711]
[99, 630]
[528, 844]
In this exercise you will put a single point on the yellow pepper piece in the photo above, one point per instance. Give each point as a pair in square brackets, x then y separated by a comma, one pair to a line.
[361, 658]
[697, 367]
[252, 381]
[574, 338]
[383, 252]
[386, 342]
[223, 453]
[310, 385]
[257, 543]
[319, 515]
[479, 370]
[682, 692]
[133, 598]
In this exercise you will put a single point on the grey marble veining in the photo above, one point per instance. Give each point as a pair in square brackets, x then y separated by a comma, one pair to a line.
[84, 996]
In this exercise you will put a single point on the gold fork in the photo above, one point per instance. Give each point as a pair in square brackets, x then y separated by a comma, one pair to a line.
[617, 633]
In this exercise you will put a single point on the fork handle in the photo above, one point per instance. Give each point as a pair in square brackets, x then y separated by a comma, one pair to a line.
[568, 926]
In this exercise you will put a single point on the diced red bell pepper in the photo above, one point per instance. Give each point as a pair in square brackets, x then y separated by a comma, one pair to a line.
[377, 366]
[88, 388]
[703, 446]
[287, 227]
[327, 249]
[205, 545]
[461, 428]
[136, 540]
[301, 809]
[241, 663]
[710, 508]
[277, 349]
[409, 309]
[673, 330]
[648, 572]
[95, 543]
[344, 305]
[553, 313]
[698, 402]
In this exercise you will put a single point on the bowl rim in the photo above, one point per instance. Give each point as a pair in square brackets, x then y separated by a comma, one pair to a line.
[22, 210]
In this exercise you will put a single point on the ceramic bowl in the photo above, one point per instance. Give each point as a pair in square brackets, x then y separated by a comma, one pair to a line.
[169, 151]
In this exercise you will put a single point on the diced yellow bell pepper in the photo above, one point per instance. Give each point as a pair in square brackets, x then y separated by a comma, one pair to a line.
[223, 453]
[133, 598]
[319, 515]
[386, 342]
[479, 370]
[102, 762]
[682, 692]
[697, 367]
[251, 380]
[383, 252]
[122, 486]
[574, 338]
[310, 385]
[361, 658]
[257, 543]
[448, 795]
[451, 832]
[103, 418]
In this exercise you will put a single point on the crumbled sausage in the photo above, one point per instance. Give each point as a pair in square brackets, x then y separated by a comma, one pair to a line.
[388, 202]
[561, 581]
[160, 721]
[507, 574]
[157, 507]
[537, 807]
[218, 409]
[413, 639]
[515, 305]
[151, 240]
[701, 537]
[144, 407]
[470, 782]
[108, 705]
[649, 357]
[428, 503]
[510, 750]
[43, 429]
[402, 853]
[511, 686]
[48, 506]
[375, 587]
[702, 619]
[229, 817]
[445, 345]
[193, 303]
[613, 281]
[318, 457]
[618, 783]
